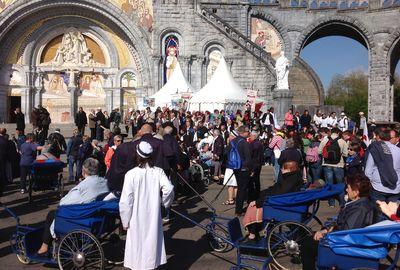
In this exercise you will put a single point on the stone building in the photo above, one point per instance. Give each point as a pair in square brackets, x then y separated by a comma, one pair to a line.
[112, 53]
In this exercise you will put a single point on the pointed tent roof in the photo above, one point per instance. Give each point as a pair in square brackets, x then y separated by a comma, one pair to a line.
[222, 88]
[177, 83]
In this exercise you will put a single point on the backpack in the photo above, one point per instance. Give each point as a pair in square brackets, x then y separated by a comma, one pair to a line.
[331, 152]
[312, 155]
[234, 159]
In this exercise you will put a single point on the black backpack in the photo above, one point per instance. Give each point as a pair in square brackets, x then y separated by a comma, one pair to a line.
[331, 152]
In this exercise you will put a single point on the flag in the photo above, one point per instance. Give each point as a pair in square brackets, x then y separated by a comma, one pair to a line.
[258, 106]
[365, 135]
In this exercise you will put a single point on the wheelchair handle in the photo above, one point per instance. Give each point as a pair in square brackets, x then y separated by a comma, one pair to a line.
[9, 211]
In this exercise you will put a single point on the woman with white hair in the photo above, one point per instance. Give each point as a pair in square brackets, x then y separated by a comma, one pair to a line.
[140, 210]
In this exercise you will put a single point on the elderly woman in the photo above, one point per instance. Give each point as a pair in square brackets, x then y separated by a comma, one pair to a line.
[357, 213]
[85, 192]
[145, 188]
[291, 182]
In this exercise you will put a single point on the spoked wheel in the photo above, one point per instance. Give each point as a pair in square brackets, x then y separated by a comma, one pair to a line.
[21, 256]
[197, 172]
[80, 250]
[216, 242]
[284, 242]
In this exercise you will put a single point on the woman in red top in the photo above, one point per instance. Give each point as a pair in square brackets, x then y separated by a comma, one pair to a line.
[289, 118]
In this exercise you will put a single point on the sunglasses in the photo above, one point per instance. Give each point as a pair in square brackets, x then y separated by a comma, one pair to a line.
[117, 140]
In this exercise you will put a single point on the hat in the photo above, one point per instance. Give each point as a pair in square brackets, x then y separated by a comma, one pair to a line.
[144, 149]
[342, 114]
[361, 113]
[278, 127]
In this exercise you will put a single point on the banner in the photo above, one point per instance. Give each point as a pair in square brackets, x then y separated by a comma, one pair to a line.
[251, 98]
[149, 102]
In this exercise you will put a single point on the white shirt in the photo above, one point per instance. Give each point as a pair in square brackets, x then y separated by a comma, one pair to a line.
[324, 122]
[140, 210]
[317, 120]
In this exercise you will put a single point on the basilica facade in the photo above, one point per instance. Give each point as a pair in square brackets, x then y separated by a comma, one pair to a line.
[63, 54]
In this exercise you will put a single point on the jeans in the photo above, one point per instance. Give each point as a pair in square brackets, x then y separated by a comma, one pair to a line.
[242, 178]
[315, 170]
[381, 196]
[25, 170]
[277, 170]
[71, 162]
[332, 175]
[81, 130]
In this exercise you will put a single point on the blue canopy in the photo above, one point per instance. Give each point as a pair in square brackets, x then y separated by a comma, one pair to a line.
[49, 163]
[305, 197]
[370, 242]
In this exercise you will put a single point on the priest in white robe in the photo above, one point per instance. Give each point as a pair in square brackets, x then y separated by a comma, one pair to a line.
[140, 210]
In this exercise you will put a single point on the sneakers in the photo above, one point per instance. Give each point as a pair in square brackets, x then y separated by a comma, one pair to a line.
[23, 191]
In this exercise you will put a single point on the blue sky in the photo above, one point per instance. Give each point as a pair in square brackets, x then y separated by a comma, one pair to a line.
[336, 55]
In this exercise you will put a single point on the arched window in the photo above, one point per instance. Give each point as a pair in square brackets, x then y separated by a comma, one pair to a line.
[171, 53]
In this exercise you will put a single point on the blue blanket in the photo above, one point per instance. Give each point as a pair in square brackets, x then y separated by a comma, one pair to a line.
[370, 242]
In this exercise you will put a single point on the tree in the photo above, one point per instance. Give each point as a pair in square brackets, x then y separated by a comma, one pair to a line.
[350, 91]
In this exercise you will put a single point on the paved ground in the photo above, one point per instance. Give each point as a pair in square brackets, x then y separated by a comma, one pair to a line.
[187, 247]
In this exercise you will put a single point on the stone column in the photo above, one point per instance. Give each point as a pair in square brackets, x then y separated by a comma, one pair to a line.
[117, 98]
[26, 103]
[109, 99]
[380, 92]
[195, 72]
[73, 91]
[282, 102]
[37, 97]
[184, 62]
[203, 67]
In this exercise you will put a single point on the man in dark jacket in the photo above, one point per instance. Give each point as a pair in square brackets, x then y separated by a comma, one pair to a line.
[217, 150]
[305, 120]
[81, 121]
[101, 123]
[224, 133]
[44, 120]
[20, 120]
[171, 141]
[243, 174]
[72, 154]
[124, 158]
[57, 143]
[257, 157]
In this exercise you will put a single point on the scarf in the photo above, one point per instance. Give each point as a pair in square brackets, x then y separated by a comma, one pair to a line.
[383, 159]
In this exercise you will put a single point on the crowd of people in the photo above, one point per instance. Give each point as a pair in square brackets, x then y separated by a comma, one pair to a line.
[304, 151]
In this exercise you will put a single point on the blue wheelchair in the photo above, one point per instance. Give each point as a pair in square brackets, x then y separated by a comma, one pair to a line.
[362, 248]
[285, 221]
[82, 234]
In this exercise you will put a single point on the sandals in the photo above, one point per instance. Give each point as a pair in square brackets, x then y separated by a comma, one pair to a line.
[229, 202]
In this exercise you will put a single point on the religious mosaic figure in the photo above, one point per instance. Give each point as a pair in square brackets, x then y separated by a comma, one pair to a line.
[171, 61]
[282, 72]
[266, 36]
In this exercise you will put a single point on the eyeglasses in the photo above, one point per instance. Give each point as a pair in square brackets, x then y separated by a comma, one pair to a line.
[117, 140]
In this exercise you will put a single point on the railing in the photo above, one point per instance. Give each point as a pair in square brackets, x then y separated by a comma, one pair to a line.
[239, 38]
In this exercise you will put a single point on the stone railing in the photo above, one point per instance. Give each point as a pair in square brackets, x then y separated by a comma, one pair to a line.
[239, 38]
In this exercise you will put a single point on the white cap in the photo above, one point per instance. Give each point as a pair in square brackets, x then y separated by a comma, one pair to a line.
[144, 149]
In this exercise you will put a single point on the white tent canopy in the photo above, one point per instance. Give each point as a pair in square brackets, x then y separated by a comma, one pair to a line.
[221, 92]
[176, 84]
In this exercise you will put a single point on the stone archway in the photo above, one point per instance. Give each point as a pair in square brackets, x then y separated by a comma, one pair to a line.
[392, 52]
[352, 28]
[101, 14]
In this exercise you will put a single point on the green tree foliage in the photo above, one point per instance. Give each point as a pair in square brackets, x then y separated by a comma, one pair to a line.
[350, 91]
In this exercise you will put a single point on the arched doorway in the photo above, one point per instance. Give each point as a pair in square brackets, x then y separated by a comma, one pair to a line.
[70, 54]
[339, 52]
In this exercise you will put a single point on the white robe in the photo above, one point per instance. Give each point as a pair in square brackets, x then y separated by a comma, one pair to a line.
[140, 210]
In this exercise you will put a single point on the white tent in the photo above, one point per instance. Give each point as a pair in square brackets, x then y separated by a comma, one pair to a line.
[221, 92]
[176, 84]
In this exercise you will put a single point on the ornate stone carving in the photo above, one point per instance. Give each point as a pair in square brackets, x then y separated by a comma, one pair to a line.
[73, 51]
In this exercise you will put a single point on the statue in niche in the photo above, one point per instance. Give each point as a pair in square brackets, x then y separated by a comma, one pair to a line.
[73, 51]
[171, 61]
[282, 72]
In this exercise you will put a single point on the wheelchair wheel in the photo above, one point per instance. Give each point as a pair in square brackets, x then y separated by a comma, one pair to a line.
[197, 173]
[215, 242]
[80, 250]
[283, 243]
